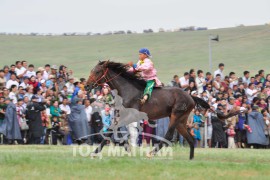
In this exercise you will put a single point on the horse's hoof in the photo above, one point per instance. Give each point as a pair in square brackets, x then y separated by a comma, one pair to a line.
[150, 155]
[93, 155]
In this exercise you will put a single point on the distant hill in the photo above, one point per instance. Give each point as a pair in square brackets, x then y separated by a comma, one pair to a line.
[240, 48]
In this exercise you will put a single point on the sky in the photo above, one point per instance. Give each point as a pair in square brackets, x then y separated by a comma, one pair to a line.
[59, 16]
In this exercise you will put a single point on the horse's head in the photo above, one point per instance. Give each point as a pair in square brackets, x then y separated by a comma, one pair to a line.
[98, 74]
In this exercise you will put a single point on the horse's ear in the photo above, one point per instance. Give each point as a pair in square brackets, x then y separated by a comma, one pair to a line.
[106, 63]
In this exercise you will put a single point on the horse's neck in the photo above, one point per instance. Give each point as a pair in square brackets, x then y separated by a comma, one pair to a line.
[122, 85]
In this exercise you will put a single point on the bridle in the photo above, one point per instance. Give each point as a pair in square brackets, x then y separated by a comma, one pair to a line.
[104, 76]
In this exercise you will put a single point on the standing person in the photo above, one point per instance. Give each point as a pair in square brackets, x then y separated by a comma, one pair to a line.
[200, 81]
[209, 80]
[210, 127]
[21, 120]
[220, 71]
[256, 137]
[12, 80]
[233, 80]
[195, 131]
[64, 106]
[218, 135]
[20, 70]
[246, 78]
[13, 94]
[261, 74]
[241, 138]
[6, 72]
[24, 64]
[197, 119]
[33, 114]
[46, 72]
[231, 133]
[217, 83]
[184, 81]
[3, 107]
[89, 111]
[77, 120]
[70, 87]
[61, 83]
[107, 97]
[107, 117]
[175, 82]
[12, 125]
[30, 72]
[25, 82]
[251, 92]
[148, 72]
[192, 76]
[3, 79]
[54, 70]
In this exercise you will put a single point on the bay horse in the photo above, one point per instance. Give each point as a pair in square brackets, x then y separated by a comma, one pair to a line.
[170, 102]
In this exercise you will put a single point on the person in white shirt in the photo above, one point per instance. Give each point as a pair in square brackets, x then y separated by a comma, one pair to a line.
[200, 81]
[30, 72]
[64, 106]
[25, 82]
[184, 81]
[246, 78]
[251, 92]
[13, 94]
[233, 80]
[19, 70]
[70, 85]
[220, 71]
[46, 72]
[88, 109]
[12, 81]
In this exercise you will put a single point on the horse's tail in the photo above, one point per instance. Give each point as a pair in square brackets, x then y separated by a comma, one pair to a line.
[200, 103]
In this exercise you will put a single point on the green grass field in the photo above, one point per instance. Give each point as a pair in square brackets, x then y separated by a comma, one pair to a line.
[239, 48]
[58, 162]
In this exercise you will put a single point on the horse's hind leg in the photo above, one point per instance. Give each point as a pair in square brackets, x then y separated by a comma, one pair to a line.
[186, 134]
[168, 135]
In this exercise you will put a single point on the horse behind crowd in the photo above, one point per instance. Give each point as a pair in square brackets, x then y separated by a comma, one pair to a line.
[165, 101]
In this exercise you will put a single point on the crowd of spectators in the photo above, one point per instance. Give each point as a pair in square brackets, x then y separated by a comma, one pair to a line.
[47, 105]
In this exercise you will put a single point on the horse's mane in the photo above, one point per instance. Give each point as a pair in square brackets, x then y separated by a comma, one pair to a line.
[122, 70]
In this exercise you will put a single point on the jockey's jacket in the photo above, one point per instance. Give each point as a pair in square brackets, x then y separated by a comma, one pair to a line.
[148, 72]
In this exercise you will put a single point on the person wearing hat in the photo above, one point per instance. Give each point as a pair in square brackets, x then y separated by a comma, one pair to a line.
[147, 71]
[78, 122]
[54, 70]
[194, 93]
[11, 128]
[61, 83]
[51, 81]
[70, 86]
[33, 113]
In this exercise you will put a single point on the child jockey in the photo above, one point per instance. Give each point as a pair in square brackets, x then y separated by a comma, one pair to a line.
[146, 68]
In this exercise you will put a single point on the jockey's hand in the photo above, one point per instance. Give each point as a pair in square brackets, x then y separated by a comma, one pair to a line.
[130, 63]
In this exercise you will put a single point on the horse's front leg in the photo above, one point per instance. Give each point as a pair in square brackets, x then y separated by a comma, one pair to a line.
[103, 142]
